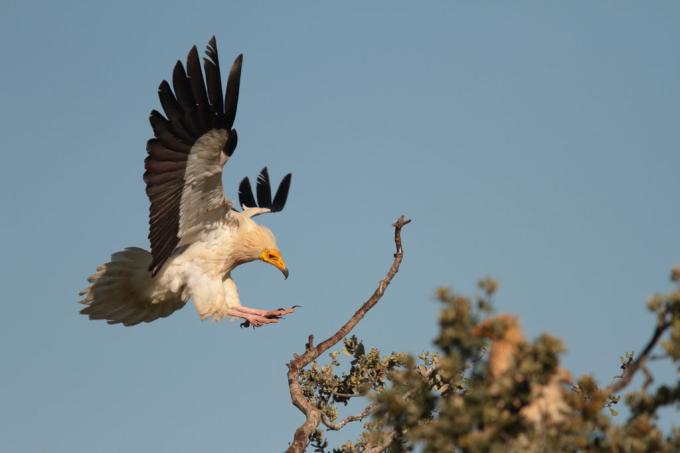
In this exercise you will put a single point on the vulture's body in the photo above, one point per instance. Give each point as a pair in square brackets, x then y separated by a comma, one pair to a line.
[197, 236]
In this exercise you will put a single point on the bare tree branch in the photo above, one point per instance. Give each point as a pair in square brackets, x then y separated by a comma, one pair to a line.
[313, 415]
[629, 372]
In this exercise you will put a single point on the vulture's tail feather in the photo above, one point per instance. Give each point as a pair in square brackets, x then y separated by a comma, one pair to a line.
[120, 291]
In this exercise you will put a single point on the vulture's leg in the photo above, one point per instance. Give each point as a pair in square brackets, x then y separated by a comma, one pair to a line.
[250, 319]
[256, 317]
[267, 313]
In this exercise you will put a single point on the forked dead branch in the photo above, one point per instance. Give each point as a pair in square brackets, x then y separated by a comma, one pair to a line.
[313, 415]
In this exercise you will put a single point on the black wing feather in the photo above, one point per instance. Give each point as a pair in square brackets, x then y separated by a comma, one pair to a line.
[159, 152]
[281, 194]
[230, 144]
[211, 66]
[245, 194]
[198, 89]
[233, 86]
[185, 97]
[264, 190]
[174, 112]
[163, 132]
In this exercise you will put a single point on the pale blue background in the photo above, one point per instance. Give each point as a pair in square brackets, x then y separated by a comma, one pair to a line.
[533, 141]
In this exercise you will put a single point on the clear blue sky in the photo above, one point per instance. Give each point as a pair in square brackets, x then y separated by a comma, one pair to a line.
[535, 142]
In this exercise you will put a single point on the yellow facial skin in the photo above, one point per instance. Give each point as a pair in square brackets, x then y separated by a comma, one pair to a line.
[273, 257]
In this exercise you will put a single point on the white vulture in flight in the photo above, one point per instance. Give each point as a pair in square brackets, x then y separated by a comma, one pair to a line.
[197, 236]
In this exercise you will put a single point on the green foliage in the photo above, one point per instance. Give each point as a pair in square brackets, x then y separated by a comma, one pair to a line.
[488, 389]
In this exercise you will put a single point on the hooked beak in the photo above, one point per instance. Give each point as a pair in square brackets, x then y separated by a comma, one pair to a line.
[273, 257]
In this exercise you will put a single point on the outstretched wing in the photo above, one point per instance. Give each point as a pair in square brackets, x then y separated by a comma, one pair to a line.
[191, 144]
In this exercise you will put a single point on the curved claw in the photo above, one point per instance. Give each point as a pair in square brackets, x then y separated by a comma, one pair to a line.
[281, 312]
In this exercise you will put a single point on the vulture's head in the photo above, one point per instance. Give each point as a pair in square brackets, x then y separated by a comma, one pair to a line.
[257, 242]
[273, 256]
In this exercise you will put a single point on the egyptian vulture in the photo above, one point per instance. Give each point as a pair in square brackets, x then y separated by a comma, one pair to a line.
[197, 236]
